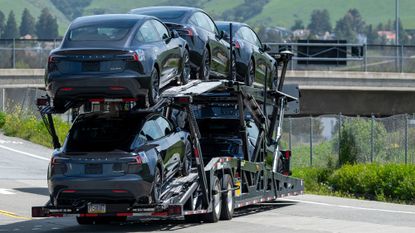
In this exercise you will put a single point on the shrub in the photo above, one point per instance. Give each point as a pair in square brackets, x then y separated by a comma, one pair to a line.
[2, 119]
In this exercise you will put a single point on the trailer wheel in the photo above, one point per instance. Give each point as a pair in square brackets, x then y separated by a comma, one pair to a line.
[228, 198]
[216, 202]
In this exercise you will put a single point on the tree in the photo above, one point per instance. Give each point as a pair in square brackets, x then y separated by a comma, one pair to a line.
[46, 26]
[2, 25]
[351, 25]
[10, 32]
[27, 25]
[319, 22]
[298, 24]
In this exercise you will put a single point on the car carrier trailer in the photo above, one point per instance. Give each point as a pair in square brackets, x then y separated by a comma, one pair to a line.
[217, 185]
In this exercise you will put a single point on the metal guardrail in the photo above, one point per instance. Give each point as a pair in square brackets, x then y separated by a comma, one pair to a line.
[352, 57]
[33, 53]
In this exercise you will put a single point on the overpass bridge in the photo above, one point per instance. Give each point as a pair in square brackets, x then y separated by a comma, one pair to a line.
[322, 92]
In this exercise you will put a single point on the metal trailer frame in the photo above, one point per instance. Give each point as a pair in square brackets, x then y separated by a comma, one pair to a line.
[253, 181]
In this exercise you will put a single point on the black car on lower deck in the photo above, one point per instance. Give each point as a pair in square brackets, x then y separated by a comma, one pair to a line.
[115, 56]
[209, 52]
[252, 61]
[116, 160]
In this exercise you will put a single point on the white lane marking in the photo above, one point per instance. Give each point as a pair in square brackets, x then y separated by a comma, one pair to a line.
[349, 207]
[6, 191]
[9, 142]
[24, 153]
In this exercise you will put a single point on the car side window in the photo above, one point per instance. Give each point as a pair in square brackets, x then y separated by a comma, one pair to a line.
[150, 131]
[164, 125]
[255, 38]
[211, 24]
[161, 29]
[147, 33]
[202, 21]
[239, 34]
[246, 35]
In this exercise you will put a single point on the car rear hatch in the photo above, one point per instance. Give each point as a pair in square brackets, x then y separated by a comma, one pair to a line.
[91, 61]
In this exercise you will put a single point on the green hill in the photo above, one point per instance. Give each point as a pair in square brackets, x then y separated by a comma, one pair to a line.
[274, 13]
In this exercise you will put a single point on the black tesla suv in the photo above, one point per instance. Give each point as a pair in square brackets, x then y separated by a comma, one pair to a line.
[115, 56]
[110, 162]
[209, 52]
[252, 61]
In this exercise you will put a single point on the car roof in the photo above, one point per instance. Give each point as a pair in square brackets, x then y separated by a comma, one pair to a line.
[165, 8]
[107, 18]
[236, 25]
[108, 115]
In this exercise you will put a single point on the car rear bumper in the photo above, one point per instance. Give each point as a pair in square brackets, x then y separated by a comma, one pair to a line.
[119, 85]
[77, 191]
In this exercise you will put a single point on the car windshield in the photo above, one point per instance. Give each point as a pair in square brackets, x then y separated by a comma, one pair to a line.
[103, 134]
[167, 16]
[101, 31]
[223, 27]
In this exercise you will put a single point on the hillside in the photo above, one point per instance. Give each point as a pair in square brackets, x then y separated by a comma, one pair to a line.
[275, 12]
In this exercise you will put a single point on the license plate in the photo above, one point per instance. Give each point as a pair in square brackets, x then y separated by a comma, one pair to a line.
[90, 66]
[93, 169]
[97, 208]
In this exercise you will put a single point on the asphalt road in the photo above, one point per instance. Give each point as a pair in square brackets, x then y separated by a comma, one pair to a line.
[23, 168]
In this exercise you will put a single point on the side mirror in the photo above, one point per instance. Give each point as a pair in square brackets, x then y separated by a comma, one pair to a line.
[174, 34]
[266, 48]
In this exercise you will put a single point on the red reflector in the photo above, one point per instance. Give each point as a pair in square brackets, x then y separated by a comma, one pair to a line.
[88, 215]
[66, 89]
[123, 214]
[183, 100]
[129, 100]
[196, 152]
[160, 214]
[117, 88]
[96, 100]
[119, 191]
[69, 191]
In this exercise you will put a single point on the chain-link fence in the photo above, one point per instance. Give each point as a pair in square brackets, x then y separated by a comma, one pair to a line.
[328, 141]
[19, 53]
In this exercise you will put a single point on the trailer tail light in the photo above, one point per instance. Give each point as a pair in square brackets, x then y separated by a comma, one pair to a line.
[183, 100]
[124, 214]
[287, 154]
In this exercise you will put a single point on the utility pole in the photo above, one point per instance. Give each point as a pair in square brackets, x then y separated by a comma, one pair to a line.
[397, 33]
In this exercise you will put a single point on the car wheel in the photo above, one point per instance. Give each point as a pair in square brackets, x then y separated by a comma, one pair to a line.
[250, 74]
[155, 194]
[185, 76]
[204, 71]
[59, 106]
[187, 159]
[154, 94]
[216, 202]
[228, 204]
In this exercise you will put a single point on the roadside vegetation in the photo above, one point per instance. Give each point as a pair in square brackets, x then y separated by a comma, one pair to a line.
[30, 127]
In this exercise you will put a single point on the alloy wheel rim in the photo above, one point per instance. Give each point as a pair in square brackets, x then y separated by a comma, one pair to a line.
[217, 199]
[186, 68]
[207, 69]
[155, 93]
[229, 198]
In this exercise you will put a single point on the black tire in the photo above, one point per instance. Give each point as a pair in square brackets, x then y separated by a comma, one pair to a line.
[154, 95]
[187, 159]
[280, 166]
[228, 198]
[204, 71]
[59, 106]
[155, 193]
[213, 216]
[194, 218]
[250, 74]
[185, 76]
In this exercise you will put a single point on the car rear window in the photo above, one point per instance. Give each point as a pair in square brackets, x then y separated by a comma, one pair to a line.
[103, 134]
[101, 32]
[166, 16]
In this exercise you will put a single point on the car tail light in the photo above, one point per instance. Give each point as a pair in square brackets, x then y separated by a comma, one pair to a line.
[69, 191]
[187, 31]
[136, 166]
[51, 59]
[236, 44]
[287, 154]
[139, 55]
[116, 88]
[66, 89]
[58, 166]
[183, 100]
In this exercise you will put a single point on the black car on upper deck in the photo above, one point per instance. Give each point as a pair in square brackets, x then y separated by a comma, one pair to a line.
[252, 61]
[209, 52]
[115, 56]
